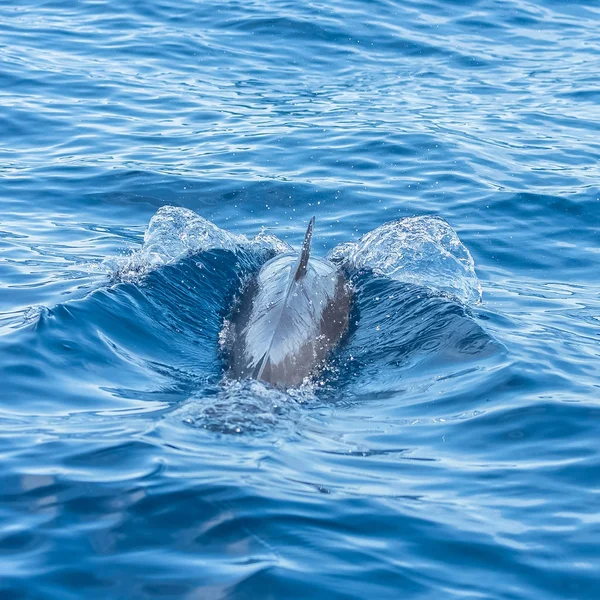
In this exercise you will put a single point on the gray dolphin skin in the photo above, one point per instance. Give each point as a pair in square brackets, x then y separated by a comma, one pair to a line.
[289, 317]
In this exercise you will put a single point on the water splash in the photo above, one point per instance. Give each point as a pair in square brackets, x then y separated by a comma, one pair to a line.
[174, 233]
[424, 250]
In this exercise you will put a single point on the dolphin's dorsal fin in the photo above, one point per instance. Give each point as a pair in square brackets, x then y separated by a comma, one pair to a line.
[299, 272]
[305, 253]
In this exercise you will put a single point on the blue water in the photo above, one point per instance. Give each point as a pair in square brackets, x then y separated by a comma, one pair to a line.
[450, 450]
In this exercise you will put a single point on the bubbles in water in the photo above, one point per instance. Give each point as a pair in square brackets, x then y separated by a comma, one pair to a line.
[425, 251]
[174, 233]
[241, 407]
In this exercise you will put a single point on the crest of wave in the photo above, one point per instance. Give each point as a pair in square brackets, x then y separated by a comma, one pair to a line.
[174, 233]
[425, 251]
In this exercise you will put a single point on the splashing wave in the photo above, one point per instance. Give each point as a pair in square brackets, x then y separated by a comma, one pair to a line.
[175, 233]
[424, 251]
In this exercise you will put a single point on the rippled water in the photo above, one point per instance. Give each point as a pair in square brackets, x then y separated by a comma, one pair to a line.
[450, 450]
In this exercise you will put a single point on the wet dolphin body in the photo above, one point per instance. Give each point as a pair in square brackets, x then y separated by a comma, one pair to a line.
[289, 317]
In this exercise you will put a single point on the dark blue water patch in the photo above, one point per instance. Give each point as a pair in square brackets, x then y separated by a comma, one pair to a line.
[162, 330]
[397, 329]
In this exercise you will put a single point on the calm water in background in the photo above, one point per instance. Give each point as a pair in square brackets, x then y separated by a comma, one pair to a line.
[451, 452]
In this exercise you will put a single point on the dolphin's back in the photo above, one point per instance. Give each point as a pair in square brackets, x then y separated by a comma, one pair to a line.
[287, 322]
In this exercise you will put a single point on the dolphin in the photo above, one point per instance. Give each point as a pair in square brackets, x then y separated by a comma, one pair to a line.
[288, 318]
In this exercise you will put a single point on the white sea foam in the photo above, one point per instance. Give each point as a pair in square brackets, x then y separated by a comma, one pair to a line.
[175, 233]
[422, 250]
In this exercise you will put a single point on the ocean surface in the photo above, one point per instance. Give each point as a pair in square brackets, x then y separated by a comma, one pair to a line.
[153, 154]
